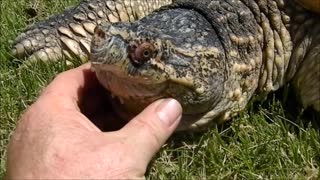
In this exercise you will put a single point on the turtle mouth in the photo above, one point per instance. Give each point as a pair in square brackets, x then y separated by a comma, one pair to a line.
[126, 87]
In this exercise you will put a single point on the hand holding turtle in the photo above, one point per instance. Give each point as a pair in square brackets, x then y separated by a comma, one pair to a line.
[54, 139]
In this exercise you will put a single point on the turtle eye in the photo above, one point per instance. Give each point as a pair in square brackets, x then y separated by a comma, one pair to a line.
[141, 53]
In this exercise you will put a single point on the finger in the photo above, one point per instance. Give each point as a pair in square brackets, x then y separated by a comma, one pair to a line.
[148, 131]
[70, 86]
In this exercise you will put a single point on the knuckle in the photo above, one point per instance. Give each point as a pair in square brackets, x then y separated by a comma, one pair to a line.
[61, 75]
[57, 85]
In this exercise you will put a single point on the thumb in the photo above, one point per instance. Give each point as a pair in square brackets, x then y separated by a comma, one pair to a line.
[149, 130]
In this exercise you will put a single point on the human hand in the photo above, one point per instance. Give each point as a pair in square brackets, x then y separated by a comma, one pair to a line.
[55, 140]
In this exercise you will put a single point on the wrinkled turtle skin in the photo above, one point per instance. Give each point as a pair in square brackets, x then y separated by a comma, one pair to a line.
[211, 55]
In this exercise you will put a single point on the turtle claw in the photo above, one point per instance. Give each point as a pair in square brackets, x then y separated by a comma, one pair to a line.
[37, 43]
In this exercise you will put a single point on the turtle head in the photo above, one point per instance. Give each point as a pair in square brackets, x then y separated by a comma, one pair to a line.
[171, 53]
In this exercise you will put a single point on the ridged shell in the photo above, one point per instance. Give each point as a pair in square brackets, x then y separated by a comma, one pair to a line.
[312, 5]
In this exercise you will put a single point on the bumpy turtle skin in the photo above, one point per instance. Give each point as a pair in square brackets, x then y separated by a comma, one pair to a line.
[69, 34]
[290, 46]
[304, 66]
[264, 45]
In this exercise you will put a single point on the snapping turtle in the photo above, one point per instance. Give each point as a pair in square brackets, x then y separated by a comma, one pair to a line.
[211, 55]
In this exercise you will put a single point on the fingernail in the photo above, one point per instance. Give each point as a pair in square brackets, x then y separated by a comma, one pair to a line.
[169, 111]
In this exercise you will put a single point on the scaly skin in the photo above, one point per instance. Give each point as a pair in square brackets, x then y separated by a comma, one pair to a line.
[69, 35]
[211, 55]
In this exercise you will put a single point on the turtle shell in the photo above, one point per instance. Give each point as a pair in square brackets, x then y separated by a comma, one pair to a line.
[312, 5]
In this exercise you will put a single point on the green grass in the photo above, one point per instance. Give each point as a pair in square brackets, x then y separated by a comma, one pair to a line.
[260, 143]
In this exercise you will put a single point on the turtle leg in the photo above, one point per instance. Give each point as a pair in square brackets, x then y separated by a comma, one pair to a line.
[69, 34]
[304, 66]
[307, 80]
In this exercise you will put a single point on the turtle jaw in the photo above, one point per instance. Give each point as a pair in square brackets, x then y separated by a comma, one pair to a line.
[120, 84]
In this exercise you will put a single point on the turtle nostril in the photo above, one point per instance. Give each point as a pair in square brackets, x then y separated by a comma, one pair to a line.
[99, 32]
